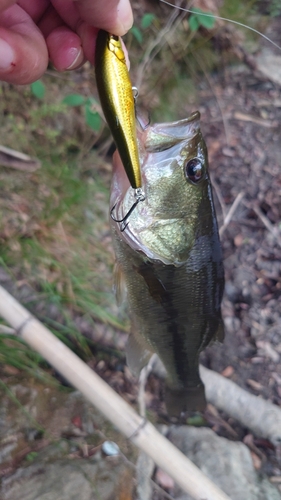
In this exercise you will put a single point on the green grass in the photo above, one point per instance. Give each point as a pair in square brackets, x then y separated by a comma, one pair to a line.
[54, 230]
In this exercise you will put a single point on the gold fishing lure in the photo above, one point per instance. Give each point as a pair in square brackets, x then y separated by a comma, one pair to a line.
[117, 101]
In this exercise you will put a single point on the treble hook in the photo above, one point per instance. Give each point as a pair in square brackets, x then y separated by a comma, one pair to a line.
[139, 195]
[135, 95]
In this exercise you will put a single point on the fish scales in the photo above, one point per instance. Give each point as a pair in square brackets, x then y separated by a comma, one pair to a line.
[170, 260]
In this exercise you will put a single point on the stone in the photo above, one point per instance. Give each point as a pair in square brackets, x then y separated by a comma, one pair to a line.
[227, 463]
[67, 479]
[269, 65]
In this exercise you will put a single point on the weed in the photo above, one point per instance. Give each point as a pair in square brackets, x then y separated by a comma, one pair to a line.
[274, 8]
[90, 105]
[30, 457]
[146, 21]
[196, 19]
[54, 230]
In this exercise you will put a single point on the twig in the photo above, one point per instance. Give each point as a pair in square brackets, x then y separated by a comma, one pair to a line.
[141, 432]
[254, 119]
[264, 219]
[219, 196]
[144, 374]
[270, 227]
[144, 469]
[145, 465]
[20, 161]
[224, 118]
[231, 211]
[7, 330]
[155, 46]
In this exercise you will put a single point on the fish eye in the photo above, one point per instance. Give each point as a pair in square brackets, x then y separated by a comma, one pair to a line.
[194, 170]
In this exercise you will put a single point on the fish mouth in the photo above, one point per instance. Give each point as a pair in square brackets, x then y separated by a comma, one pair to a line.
[132, 235]
[156, 138]
[119, 219]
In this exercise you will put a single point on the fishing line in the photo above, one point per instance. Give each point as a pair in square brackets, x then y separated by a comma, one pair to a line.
[223, 19]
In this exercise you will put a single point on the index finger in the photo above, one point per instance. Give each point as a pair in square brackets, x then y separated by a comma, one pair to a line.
[114, 16]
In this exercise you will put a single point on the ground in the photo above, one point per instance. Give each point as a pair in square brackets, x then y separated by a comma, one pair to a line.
[250, 165]
[240, 110]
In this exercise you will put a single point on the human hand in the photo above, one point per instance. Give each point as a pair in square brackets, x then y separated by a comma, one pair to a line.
[32, 32]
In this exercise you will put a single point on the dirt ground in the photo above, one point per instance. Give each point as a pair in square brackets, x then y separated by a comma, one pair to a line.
[249, 165]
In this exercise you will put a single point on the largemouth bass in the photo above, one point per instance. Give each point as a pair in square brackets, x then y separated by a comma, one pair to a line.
[117, 101]
[169, 258]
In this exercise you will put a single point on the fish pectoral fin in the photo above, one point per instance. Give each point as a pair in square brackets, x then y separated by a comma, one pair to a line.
[119, 284]
[137, 355]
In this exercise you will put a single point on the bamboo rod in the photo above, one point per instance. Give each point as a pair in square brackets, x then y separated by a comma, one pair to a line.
[140, 431]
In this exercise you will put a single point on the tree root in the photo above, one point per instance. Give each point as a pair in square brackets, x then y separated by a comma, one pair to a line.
[259, 416]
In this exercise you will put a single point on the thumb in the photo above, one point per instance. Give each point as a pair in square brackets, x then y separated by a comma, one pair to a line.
[4, 4]
[23, 52]
[113, 15]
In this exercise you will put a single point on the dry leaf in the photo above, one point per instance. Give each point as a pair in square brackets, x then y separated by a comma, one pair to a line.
[228, 372]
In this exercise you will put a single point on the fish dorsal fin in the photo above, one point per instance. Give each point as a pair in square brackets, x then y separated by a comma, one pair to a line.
[119, 284]
[162, 136]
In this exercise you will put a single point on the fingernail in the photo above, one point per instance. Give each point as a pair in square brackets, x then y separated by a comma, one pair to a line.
[7, 55]
[78, 58]
[124, 16]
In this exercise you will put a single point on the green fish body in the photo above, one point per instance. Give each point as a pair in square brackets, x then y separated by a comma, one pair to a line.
[170, 260]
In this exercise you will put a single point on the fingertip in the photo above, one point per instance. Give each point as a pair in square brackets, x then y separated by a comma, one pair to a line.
[7, 56]
[65, 49]
[113, 15]
[124, 19]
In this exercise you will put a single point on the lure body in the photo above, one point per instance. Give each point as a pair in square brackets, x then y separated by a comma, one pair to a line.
[170, 259]
[117, 101]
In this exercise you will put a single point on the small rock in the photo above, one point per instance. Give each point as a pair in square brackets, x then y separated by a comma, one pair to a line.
[238, 240]
[110, 448]
[233, 293]
[67, 479]
[269, 65]
[232, 324]
[144, 469]
[267, 349]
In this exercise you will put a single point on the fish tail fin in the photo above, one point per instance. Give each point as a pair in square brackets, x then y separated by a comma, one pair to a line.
[185, 399]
